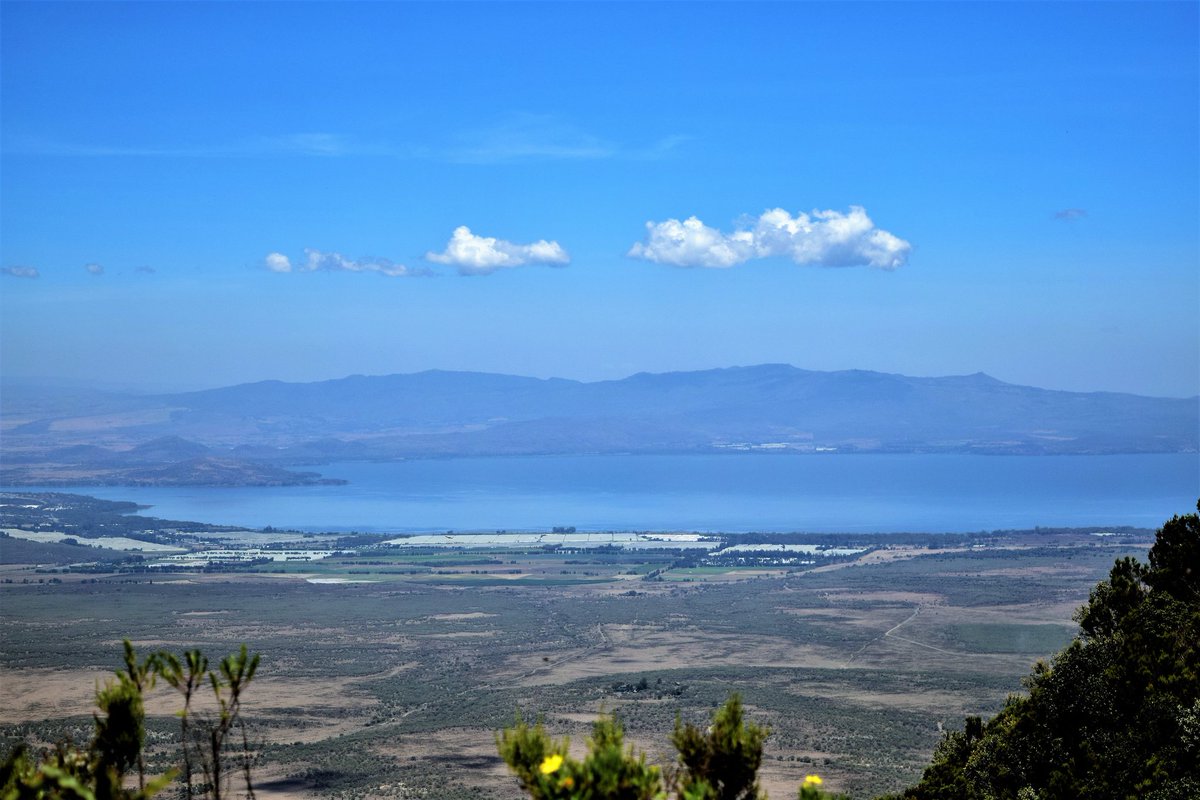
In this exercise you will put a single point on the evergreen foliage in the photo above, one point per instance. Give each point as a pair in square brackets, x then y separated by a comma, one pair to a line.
[547, 772]
[99, 770]
[1114, 715]
[720, 763]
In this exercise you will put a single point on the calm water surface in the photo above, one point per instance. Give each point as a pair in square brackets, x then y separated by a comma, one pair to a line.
[727, 492]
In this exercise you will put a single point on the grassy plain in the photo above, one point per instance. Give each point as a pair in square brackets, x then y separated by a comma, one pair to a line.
[392, 682]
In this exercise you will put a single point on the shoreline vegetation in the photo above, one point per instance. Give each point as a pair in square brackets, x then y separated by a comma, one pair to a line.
[719, 493]
[107, 469]
[78, 533]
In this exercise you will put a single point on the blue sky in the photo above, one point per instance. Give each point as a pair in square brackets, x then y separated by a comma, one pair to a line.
[212, 193]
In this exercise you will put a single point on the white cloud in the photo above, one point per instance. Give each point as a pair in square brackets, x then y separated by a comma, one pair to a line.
[278, 262]
[21, 272]
[823, 238]
[483, 255]
[691, 243]
[1070, 214]
[336, 262]
[316, 260]
[94, 269]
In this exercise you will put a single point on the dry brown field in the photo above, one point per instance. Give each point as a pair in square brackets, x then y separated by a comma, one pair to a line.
[395, 687]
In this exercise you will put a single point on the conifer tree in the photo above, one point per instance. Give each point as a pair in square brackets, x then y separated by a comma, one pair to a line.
[1114, 715]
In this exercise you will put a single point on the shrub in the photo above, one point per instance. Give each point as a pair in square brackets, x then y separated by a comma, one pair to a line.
[99, 770]
[720, 763]
[1114, 715]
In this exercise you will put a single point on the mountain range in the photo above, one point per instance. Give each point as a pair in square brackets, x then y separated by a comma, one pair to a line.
[250, 433]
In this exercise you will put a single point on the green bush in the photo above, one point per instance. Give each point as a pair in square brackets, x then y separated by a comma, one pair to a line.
[720, 763]
[1114, 715]
[99, 770]
[547, 772]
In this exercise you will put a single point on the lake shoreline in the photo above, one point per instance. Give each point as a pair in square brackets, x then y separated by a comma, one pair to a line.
[727, 493]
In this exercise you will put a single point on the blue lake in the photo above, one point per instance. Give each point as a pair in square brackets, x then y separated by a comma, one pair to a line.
[726, 492]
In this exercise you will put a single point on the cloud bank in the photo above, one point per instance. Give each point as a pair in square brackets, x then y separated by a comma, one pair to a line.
[21, 272]
[315, 260]
[483, 255]
[823, 238]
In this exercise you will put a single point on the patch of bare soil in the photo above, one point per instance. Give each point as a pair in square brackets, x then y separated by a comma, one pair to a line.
[953, 705]
[323, 707]
[912, 598]
[1024, 614]
[1025, 572]
[467, 755]
[734, 575]
[32, 695]
[463, 635]
[890, 554]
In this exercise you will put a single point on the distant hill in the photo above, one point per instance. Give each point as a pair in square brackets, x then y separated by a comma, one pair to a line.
[764, 408]
[771, 404]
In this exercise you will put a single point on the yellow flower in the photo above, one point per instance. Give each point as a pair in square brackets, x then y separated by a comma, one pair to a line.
[813, 780]
[552, 763]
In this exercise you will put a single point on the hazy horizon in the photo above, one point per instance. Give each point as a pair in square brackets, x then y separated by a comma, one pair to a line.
[151, 388]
